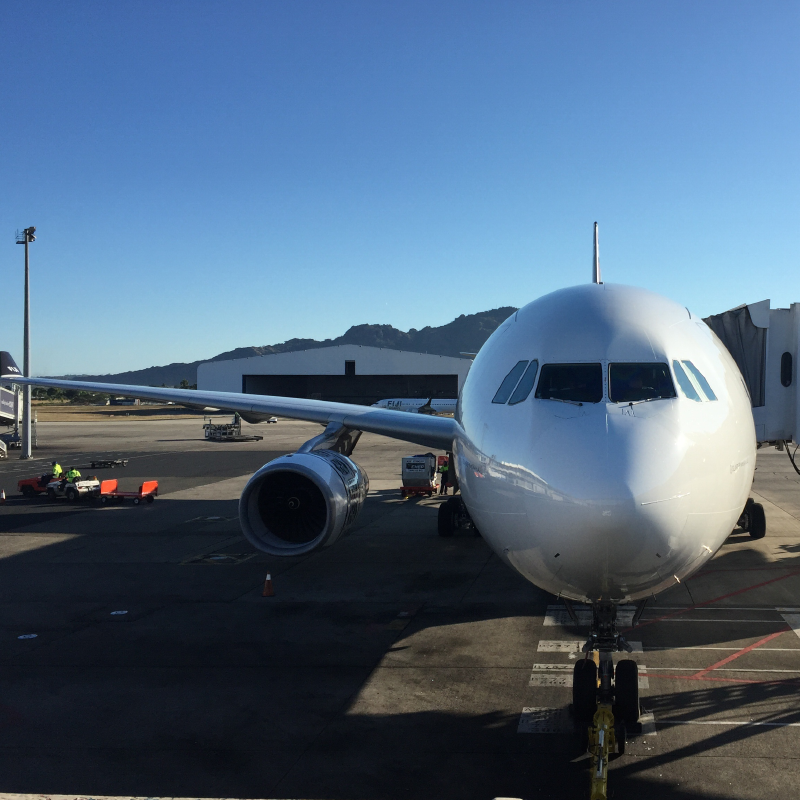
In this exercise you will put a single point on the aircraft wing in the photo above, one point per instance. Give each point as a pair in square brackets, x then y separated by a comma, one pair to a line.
[433, 432]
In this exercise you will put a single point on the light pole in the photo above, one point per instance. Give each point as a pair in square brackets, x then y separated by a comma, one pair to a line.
[26, 237]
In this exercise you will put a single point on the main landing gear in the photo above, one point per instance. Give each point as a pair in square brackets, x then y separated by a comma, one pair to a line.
[605, 701]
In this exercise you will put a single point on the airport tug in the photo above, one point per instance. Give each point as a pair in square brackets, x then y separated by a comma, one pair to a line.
[605, 701]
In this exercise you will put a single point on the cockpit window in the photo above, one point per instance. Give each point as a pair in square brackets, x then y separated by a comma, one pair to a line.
[701, 380]
[687, 387]
[509, 382]
[525, 385]
[632, 383]
[574, 383]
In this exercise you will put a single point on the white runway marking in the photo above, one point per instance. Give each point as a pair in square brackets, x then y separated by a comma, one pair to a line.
[570, 646]
[544, 720]
[733, 649]
[561, 675]
[733, 722]
[720, 669]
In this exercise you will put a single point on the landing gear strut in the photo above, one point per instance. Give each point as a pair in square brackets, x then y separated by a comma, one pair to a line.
[605, 704]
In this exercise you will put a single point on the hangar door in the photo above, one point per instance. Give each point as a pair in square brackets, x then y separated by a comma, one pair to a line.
[362, 389]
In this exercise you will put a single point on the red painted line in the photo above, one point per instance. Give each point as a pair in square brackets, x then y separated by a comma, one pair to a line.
[715, 600]
[741, 652]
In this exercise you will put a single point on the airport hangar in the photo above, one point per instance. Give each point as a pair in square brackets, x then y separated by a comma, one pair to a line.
[345, 373]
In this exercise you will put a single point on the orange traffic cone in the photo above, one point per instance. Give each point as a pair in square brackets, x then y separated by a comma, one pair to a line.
[268, 590]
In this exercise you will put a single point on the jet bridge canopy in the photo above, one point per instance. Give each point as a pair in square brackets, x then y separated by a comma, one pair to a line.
[764, 344]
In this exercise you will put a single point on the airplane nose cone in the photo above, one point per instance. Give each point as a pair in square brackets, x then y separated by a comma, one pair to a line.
[615, 503]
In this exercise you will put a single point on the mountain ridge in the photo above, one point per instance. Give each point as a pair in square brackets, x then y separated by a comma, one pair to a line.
[465, 334]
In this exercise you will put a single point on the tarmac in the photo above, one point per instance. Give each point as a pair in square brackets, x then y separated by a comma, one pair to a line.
[140, 659]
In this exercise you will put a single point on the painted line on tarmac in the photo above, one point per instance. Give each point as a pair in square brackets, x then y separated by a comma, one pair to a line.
[715, 621]
[572, 646]
[641, 624]
[760, 649]
[741, 652]
[733, 722]
[724, 669]
[561, 675]
[784, 681]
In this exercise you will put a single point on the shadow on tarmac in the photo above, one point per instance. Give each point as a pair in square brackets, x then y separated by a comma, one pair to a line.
[206, 689]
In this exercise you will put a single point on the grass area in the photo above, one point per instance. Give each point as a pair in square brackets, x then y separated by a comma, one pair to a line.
[64, 412]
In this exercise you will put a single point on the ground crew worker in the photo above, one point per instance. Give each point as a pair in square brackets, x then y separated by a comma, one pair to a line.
[72, 475]
[444, 470]
[57, 470]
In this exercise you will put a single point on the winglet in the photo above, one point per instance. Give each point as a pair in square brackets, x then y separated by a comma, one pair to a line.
[596, 265]
[8, 367]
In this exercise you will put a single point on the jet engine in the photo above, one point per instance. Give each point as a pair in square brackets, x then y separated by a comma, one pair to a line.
[301, 502]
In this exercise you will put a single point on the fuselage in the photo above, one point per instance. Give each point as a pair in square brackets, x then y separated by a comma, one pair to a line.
[637, 470]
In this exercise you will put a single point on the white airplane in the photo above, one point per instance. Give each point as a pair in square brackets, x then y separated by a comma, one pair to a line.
[417, 406]
[603, 443]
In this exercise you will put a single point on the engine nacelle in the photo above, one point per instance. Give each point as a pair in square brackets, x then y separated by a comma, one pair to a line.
[301, 502]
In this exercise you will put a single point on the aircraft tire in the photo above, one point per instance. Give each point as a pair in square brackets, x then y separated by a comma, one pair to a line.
[584, 690]
[758, 521]
[446, 519]
[626, 694]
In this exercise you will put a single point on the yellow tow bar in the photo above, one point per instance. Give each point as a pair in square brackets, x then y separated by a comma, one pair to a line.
[602, 743]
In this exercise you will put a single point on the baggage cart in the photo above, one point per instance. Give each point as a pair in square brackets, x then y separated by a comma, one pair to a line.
[109, 491]
[419, 475]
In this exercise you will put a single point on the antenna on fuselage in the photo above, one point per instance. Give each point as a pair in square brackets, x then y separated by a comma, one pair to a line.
[596, 264]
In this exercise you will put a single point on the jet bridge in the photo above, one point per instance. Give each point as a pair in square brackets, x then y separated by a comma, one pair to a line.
[764, 343]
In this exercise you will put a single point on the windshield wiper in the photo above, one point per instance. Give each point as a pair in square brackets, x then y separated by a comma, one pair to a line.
[560, 400]
[647, 400]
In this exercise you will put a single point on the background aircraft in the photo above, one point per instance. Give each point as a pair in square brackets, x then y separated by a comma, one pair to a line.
[418, 406]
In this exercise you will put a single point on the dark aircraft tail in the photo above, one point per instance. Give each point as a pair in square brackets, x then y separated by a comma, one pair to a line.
[8, 367]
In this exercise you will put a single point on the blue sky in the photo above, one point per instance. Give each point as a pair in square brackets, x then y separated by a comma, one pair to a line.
[208, 175]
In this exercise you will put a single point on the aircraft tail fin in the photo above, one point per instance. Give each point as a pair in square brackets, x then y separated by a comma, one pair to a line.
[8, 367]
[596, 265]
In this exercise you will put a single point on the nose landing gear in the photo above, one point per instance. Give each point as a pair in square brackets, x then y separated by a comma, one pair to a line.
[605, 702]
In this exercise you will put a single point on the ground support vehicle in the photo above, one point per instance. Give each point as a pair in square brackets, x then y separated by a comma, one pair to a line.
[30, 487]
[228, 431]
[419, 475]
[73, 490]
[109, 492]
[110, 463]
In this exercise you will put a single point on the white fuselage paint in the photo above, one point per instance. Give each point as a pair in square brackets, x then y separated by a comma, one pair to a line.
[605, 501]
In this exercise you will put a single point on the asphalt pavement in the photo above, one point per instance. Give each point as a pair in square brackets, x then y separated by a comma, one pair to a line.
[141, 660]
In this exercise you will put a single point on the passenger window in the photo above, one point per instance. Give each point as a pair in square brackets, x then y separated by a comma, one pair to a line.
[509, 382]
[574, 383]
[630, 383]
[701, 380]
[525, 385]
[687, 387]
